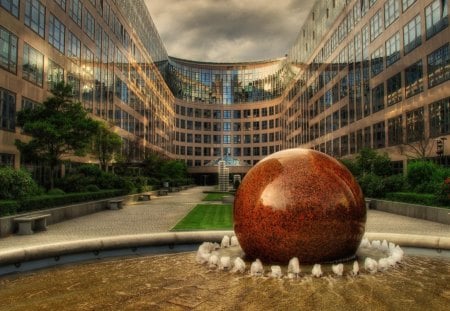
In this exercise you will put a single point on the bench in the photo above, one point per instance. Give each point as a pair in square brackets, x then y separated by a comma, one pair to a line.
[163, 192]
[32, 223]
[145, 197]
[115, 204]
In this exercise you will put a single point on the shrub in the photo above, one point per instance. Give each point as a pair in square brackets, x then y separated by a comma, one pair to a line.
[372, 185]
[412, 197]
[395, 183]
[55, 191]
[352, 166]
[8, 208]
[47, 201]
[420, 173]
[92, 188]
[16, 184]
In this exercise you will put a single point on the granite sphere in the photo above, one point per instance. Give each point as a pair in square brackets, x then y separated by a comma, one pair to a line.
[299, 203]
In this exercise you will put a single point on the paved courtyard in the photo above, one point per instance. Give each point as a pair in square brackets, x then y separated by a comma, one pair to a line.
[162, 213]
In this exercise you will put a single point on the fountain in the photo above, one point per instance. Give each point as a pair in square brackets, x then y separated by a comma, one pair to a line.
[298, 244]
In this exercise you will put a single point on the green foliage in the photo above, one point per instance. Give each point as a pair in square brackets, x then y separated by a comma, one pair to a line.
[207, 217]
[444, 192]
[58, 127]
[8, 208]
[16, 184]
[395, 183]
[56, 191]
[106, 144]
[48, 201]
[84, 177]
[412, 197]
[372, 185]
[426, 176]
[369, 161]
[175, 172]
[159, 169]
[352, 166]
[92, 188]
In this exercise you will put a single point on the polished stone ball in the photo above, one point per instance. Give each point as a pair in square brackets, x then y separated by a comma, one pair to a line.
[299, 203]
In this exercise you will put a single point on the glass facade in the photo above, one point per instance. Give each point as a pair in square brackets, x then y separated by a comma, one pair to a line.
[228, 83]
[361, 73]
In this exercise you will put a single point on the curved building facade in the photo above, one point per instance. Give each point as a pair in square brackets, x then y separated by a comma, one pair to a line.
[228, 111]
[362, 73]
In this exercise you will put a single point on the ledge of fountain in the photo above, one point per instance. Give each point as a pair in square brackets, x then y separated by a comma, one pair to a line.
[24, 254]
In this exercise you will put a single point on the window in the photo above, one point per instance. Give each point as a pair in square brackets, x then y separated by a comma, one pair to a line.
[414, 79]
[395, 131]
[440, 118]
[379, 135]
[8, 50]
[414, 125]
[394, 89]
[61, 3]
[6, 159]
[376, 25]
[436, 17]
[89, 24]
[393, 49]
[412, 36]
[33, 65]
[376, 62]
[226, 139]
[439, 66]
[378, 98]
[28, 103]
[391, 12]
[55, 74]
[7, 110]
[35, 16]
[56, 35]
[227, 126]
[74, 47]
[12, 6]
[75, 11]
[73, 80]
[407, 3]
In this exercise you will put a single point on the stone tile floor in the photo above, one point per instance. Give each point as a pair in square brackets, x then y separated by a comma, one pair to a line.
[162, 213]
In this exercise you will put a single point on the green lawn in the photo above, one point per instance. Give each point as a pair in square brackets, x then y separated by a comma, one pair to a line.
[207, 217]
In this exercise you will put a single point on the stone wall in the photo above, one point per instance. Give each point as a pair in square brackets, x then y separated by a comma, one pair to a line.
[436, 214]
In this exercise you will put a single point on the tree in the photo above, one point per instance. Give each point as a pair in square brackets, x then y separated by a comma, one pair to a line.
[418, 147]
[105, 144]
[369, 161]
[59, 127]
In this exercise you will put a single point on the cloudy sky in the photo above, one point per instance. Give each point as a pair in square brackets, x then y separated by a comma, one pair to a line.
[228, 30]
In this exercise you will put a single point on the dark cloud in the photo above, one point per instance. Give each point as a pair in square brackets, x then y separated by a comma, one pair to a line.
[228, 30]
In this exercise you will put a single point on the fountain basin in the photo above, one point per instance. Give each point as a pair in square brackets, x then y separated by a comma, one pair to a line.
[176, 282]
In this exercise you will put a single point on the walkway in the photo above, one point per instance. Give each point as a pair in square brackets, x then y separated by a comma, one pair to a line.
[162, 213]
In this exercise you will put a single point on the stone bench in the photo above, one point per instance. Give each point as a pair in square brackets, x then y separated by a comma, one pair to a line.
[115, 204]
[145, 197]
[32, 223]
[163, 192]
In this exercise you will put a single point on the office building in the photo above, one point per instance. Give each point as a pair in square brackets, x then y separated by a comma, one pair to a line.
[362, 73]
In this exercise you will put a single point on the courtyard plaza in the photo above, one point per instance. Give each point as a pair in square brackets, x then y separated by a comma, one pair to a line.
[161, 214]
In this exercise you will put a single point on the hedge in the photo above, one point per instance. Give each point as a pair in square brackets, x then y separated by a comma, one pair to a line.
[415, 198]
[47, 201]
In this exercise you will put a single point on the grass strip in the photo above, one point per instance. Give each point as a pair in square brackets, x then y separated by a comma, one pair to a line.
[207, 217]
